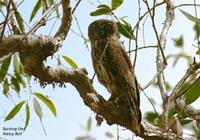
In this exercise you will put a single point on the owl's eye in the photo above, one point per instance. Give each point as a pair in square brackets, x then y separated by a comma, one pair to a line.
[95, 28]
[108, 26]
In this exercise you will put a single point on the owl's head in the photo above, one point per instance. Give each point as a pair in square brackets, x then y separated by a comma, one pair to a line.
[101, 29]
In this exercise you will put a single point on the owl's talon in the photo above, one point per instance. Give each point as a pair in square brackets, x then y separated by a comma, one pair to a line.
[99, 119]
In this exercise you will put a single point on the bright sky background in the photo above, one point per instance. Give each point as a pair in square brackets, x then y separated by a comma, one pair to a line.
[71, 112]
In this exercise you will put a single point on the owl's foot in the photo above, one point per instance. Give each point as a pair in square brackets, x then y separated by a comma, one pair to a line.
[113, 99]
[118, 102]
[99, 119]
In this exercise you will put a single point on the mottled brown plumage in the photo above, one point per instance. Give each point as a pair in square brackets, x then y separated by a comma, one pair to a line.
[113, 67]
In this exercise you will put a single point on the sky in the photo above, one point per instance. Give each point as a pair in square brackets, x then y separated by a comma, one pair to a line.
[72, 114]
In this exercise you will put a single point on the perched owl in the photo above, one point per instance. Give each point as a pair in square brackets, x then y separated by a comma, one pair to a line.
[113, 67]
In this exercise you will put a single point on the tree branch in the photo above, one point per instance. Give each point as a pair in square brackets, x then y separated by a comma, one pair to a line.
[66, 20]
[161, 79]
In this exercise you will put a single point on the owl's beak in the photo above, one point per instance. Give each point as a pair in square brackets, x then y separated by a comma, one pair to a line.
[102, 33]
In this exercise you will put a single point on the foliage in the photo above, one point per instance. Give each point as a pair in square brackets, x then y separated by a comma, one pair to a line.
[70, 62]
[14, 111]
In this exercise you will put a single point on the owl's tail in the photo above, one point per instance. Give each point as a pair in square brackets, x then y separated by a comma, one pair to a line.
[135, 113]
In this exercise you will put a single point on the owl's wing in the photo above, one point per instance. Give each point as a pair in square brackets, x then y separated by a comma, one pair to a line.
[98, 66]
[118, 66]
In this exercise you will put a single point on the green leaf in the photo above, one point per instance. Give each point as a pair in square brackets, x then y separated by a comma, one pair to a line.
[190, 17]
[150, 116]
[20, 80]
[116, 3]
[27, 116]
[6, 87]
[86, 137]
[186, 121]
[45, 6]
[102, 10]
[16, 63]
[89, 124]
[172, 110]
[18, 68]
[178, 42]
[20, 21]
[18, 17]
[104, 6]
[179, 56]
[109, 135]
[38, 111]
[36, 8]
[2, 4]
[198, 52]
[47, 102]
[193, 94]
[70, 62]
[15, 84]
[195, 129]
[4, 68]
[51, 2]
[37, 108]
[182, 115]
[184, 87]
[196, 29]
[125, 29]
[14, 111]
[168, 86]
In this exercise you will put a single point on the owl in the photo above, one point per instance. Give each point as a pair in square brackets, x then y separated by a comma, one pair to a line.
[113, 68]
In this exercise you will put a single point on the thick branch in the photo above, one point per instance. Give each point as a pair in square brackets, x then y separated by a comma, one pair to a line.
[7, 45]
[33, 45]
[106, 109]
[66, 20]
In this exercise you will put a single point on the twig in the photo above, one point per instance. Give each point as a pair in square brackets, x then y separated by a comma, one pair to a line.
[140, 48]
[154, 78]
[118, 132]
[161, 78]
[44, 18]
[76, 6]
[53, 25]
[81, 33]
[181, 5]
[141, 17]
[137, 31]
[196, 15]
[6, 20]
[160, 46]
[154, 108]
